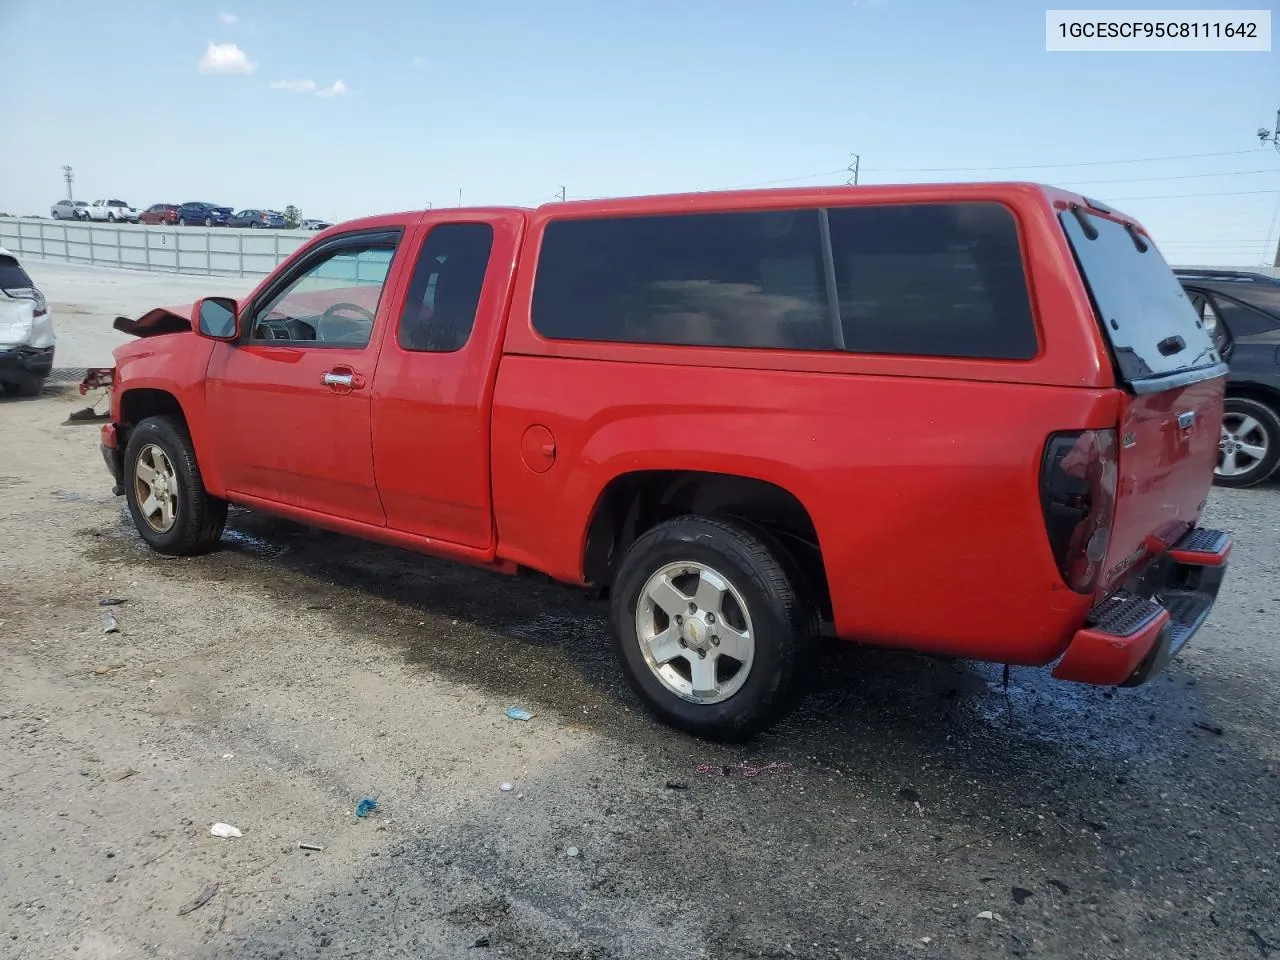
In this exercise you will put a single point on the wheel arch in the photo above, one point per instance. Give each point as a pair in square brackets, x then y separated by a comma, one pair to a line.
[633, 502]
[138, 403]
[1265, 393]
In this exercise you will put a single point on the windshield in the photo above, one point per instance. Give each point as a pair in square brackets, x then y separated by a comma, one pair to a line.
[1151, 325]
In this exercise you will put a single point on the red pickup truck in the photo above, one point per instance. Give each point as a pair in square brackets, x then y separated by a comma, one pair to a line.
[974, 420]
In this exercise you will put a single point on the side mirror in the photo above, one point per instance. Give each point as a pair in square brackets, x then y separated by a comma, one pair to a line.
[218, 318]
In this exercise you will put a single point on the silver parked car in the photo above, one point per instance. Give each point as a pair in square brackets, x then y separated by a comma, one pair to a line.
[26, 330]
[68, 210]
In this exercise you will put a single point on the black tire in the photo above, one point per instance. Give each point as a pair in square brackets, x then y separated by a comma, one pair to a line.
[26, 388]
[783, 622]
[1265, 434]
[198, 517]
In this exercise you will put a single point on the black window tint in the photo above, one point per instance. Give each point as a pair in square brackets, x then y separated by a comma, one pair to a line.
[1144, 311]
[440, 308]
[1241, 319]
[940, 280]
[720, 279]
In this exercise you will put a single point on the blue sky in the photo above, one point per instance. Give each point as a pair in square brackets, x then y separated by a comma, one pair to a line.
[508, 101]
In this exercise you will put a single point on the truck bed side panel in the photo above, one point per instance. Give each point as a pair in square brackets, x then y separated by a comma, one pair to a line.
[921, 516]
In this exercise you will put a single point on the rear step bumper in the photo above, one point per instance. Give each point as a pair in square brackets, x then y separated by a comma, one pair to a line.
[1132, 635]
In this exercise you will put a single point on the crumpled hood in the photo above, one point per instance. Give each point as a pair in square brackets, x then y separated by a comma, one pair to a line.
[158, 321]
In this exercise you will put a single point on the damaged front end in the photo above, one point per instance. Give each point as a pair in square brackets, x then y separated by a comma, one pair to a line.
[154, 323]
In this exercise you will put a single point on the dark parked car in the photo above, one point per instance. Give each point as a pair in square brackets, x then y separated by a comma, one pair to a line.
[257, 218]
[206, 214]
[1242, 312]
[161, 213]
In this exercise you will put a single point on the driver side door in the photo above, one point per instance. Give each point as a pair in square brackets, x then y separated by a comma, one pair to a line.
[290, 398]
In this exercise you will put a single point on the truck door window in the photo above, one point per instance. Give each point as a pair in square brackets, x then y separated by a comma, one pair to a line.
[444, 294]
[332, 302]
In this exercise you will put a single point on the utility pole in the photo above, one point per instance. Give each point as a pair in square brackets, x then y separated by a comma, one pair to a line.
[68, 176]
[459, 196]
[1273, 137]
[853, 170]
[560, 194]
[428, 204]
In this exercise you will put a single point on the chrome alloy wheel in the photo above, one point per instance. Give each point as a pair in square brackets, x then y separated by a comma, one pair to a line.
[1243, 446]
[694, 632]
[155, 485]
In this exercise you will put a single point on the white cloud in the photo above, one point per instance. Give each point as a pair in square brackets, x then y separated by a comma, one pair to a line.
[230, 19]
[226, 58]
[419, 61]
[294, 86]
[336, 89]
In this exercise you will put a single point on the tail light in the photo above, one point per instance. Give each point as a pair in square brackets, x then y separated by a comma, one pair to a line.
[1078, 497]
[29, 293]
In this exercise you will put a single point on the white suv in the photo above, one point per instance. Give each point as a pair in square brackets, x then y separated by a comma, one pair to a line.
[26, 330]
[110, 210]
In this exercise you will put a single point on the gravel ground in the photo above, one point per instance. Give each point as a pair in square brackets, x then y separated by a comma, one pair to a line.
[914, 807]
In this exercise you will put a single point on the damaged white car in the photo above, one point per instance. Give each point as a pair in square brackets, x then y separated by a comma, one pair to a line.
[26, 330]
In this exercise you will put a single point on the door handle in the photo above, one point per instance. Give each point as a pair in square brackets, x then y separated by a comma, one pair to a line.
[332, 378]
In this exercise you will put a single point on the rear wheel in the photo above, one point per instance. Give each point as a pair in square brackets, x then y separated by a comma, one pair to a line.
[166, 495]
[711, 627]
[1249, 449]
[27, 388]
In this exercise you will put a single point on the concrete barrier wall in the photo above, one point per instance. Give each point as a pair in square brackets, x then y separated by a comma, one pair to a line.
[212, 251]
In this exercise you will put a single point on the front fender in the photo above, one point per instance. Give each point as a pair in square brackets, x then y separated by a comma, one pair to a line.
[175, 365]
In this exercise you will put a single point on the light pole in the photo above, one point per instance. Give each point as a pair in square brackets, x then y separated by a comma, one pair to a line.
[68, 176]
[1273, 137]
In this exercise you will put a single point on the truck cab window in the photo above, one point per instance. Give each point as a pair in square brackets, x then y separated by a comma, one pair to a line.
[440, 308]
[333, 302]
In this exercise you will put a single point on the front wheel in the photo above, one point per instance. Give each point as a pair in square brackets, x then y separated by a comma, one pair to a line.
[166, 494]
[1249, 449]
[711, 626]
